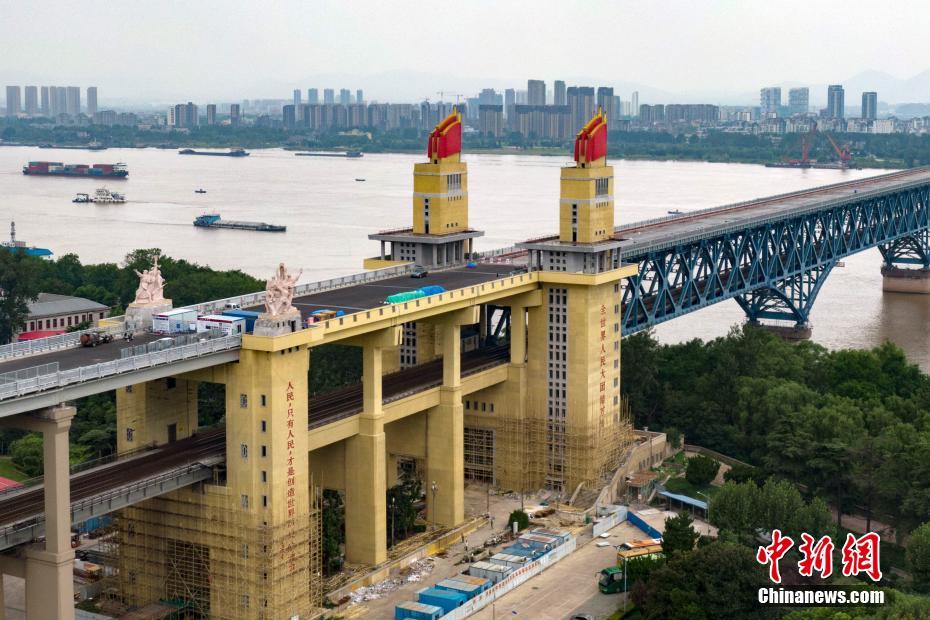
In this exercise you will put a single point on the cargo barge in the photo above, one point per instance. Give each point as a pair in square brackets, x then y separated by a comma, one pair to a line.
[229, 153]
[58, 169]
[213, 220]
[349, 154]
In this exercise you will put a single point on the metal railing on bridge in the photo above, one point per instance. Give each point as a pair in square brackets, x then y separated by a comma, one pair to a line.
[28, 373]
[63, 378]
[52, 343]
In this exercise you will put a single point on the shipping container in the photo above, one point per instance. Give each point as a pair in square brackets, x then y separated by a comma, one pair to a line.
[477, 581]
[177, 321]
[410, 610]
[249, 316]
[441, 598]
[228, 325]
[561, 536]
[509, 559]
[523, 550]
[544, 543]
[491, 572]
[470, 590]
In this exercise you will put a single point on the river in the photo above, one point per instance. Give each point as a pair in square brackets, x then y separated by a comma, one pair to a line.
[328, 214]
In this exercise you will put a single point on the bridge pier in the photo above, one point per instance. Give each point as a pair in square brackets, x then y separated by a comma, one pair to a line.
[49, 568]
[791, 333]
[901, 280]
[366, 486]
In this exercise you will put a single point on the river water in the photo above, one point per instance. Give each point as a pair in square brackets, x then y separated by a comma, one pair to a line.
[328, 214]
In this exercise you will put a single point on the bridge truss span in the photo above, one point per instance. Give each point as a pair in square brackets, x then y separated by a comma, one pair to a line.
[774, 267]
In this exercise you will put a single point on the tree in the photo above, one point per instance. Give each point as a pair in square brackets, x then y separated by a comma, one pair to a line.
[18, 286]
[333, 531]
[918, 557]
[401, 507]
[520, 518]
[26, 454]
[679, 535]
[720, 580]
[741, 473]
[701, 470]
[733, 508]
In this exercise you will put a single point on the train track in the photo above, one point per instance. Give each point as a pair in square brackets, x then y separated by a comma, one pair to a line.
[18, 507]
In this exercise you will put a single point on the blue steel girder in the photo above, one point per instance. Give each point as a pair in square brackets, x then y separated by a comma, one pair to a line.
[773, 268]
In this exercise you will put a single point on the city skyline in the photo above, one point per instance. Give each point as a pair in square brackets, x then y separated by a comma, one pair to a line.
[382, 61]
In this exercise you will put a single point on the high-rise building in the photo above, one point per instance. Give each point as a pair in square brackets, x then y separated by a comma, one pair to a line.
[296, 97]
[211, 114]
[186, 115]
[558, 95]
[344, 96]
[61, 96]
[535, 92]
[869, 105]
[234, 117]
[799, 100]
[836, 107]
[73, 104]
[313, 96]
[44, 107]
[13, 101]
[329, 96]
[53, 101]
[510, 100]
[605, 101]
[581, 103]
[491, 120]
[770, 100]
[634, 103]
[290, 116]
[489, 96]
[32, 101]
[91, 101]
[359, 96]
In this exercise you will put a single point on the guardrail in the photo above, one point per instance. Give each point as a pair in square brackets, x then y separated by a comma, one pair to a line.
[28, 373]
[105, 369]
[52, 343]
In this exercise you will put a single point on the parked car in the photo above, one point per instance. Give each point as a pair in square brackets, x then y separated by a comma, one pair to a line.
[419, 272]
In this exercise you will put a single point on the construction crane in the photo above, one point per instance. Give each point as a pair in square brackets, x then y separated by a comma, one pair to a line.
[806, 142]
[843, 153]
[442, 94]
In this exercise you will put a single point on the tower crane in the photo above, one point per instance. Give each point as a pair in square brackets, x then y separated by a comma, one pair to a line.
[843, 153]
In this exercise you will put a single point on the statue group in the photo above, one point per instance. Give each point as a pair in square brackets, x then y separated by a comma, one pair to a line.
[151, 286]
[279, 292]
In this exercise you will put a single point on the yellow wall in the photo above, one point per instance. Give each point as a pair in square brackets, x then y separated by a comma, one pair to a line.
[448, 207]
[595, 213]
[149, 408]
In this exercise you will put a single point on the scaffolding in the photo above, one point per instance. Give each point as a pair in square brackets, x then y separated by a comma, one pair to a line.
[533, 453]
[188, 549]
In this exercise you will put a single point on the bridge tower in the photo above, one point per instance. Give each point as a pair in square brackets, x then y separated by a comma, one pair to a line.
[575, 419]
[440, 236]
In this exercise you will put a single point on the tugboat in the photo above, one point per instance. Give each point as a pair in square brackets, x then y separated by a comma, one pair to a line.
[105, 196]
[200, 191]
[82, 198]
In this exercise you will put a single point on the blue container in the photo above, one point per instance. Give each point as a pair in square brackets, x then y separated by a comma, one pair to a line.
[94, 523]
[248, 315]
[470, 590]
[527, 552]
[441, 598]
[408, 610]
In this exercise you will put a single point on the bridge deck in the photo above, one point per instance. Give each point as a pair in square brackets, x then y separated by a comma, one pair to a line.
[637, 237]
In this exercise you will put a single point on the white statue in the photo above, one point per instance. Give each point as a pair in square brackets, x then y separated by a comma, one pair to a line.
[151, 286]
[279, 291]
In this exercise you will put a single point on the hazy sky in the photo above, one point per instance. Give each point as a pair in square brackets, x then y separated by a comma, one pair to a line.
[405, 50]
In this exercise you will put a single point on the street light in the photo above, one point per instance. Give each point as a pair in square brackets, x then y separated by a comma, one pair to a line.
[434, 487]
[393, 508]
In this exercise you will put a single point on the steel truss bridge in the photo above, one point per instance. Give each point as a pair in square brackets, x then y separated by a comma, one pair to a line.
[771, 255]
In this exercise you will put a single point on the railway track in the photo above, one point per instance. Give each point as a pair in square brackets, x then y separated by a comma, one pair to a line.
[17, 507]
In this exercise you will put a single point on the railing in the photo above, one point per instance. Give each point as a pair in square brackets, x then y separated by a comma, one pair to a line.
[99, 371]
[28, 373]
[52, 343]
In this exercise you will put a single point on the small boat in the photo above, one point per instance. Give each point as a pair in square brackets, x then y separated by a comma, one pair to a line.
[675, 212]
[105, 196]
[82, 198]
[213, 220]
[200, 191]
[360, 180]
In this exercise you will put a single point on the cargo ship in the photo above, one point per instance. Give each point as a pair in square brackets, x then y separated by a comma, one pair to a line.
[229, 153]
[349, 154]
[20, 246]
[58, 169]
[213, 220]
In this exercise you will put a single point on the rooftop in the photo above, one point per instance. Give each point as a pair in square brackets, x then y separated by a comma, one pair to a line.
[48, 304]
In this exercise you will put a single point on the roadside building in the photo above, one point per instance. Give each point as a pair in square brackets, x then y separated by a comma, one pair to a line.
[51, 312]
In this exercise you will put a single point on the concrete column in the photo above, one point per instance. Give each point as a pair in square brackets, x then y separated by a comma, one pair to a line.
[49, 571]
[445, 459]
[518, 335]
[366, 484]
[382, 250]
[2, 600]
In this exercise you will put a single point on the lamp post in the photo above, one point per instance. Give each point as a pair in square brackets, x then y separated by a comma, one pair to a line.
[393, 508]
[434, 487]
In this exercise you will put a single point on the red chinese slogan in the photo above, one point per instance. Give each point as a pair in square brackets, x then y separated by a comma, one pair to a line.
[602, 396]
[859, 555]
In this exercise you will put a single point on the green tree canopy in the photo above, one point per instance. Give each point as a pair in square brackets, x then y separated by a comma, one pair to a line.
[679, 535]
[701, 470]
